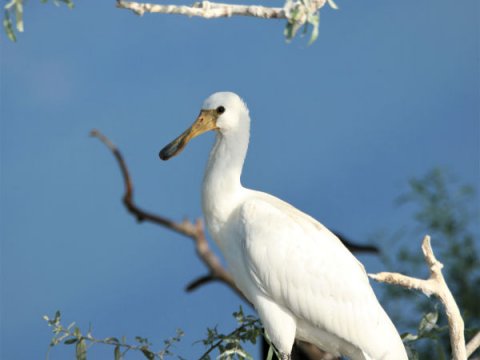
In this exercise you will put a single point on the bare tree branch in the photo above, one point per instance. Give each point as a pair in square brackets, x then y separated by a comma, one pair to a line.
[473, 344]
[434, 285]
[194, 231]
[210, 10]
[356, 247]
[199, 282]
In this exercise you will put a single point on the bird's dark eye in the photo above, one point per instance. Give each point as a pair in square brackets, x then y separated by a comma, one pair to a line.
[220, 110]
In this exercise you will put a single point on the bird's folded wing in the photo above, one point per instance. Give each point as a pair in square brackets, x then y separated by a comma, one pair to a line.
[301, 265]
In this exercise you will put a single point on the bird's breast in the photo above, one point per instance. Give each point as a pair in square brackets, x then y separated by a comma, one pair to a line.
[219, 204]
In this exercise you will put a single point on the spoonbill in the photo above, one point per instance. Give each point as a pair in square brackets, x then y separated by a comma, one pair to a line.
[303, 282]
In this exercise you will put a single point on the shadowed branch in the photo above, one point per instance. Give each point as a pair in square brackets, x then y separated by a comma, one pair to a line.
[473, 344]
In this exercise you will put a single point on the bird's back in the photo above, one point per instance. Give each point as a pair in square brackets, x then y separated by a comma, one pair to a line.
[304, 269]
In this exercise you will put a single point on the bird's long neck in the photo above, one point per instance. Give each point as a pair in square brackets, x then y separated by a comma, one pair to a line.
[221, 185]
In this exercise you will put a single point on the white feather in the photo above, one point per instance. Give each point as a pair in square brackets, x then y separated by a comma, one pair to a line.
[302, 280]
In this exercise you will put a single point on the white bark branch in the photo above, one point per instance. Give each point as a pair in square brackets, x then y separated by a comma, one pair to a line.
[209, 10]
[473, 344]
[434, 285]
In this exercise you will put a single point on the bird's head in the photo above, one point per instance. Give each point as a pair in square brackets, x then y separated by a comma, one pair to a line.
[222, 111]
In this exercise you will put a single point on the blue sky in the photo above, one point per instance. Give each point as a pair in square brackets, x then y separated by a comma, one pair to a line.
[388, 91]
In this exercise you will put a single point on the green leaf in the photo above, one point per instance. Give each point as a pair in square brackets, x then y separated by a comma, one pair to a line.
[332, 4]
[77, 332]
[19, 14]
[57, 317]
[81, 350]
[70, 341]
[142, 340]
[148, 354]
[314, 20]
[270, 353]
[428, 322]
[117, 353]
[69, 3]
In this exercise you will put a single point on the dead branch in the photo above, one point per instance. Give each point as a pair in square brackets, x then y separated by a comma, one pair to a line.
[473, 344]
[210, 10]
[434, 285]
[195, 231]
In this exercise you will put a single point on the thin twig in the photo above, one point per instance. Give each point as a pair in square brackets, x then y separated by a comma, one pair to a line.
[434, 285]
[195, 231]
[199, 282]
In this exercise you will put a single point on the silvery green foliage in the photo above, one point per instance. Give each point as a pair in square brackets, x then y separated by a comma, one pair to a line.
[72, 335]
[448, 211]
[225, 346]
[14, 10]
[230, 346]
[428, 328]
[303, 13]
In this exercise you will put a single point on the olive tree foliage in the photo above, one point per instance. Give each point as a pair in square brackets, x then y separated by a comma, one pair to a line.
[13, 16]
[227, 346]
[448, 211]
[297, 13]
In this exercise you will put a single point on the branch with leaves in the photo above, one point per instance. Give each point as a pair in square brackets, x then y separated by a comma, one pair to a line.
[229, 346]
[249, 330]
[14, 10]
[434, 285]
[298, 13]
[72, 335]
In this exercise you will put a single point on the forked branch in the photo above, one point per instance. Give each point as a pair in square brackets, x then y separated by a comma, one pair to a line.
[434, 285]
[473, 344]
[195, 231]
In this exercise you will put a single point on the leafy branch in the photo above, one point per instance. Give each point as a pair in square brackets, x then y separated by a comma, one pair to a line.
[298, 13]
[434, 285]
[446, 208]
[428, 328]
[14, 10]
[72, 335]
[230, 345]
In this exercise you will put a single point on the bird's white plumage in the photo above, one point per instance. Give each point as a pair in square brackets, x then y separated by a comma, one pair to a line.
[301, 279]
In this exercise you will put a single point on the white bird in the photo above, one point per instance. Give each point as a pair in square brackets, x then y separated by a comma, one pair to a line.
[303, 282]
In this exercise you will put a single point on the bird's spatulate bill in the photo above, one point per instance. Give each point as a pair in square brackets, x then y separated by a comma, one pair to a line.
[176, 146]
[207, 120]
